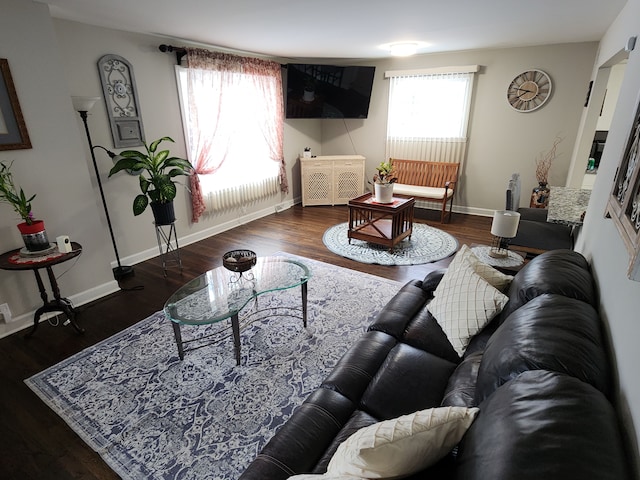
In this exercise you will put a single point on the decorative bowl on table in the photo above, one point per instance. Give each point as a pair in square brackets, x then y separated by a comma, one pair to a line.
[239, 260]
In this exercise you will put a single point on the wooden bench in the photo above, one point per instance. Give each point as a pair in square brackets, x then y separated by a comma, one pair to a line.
[434, 181]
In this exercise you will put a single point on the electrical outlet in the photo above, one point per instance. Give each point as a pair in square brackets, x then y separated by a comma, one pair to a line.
[5, 312]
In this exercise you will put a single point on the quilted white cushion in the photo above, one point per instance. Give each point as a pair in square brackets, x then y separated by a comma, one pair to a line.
[326, 476]
[402, 446]
[498, 279]
[464, 303]
[417, 191]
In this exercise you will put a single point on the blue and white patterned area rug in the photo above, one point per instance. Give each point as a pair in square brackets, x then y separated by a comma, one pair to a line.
[427, 244]
[150, 415]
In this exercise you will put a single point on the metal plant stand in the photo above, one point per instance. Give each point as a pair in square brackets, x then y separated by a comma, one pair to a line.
[168, 246]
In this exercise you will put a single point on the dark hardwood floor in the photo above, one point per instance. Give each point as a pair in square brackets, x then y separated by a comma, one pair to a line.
[36, 444]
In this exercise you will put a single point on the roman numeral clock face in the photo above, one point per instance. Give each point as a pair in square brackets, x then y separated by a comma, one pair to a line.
[529, 91]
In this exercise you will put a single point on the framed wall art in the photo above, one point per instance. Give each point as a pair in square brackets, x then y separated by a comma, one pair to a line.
[121, 100]
[13, 130]
[624, 202]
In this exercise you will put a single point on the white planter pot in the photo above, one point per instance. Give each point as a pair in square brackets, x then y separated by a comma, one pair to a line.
[383, 192]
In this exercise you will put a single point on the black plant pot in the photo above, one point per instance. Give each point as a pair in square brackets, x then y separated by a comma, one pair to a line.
[163, 213]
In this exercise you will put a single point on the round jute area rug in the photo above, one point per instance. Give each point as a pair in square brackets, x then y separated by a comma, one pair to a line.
[427, 244]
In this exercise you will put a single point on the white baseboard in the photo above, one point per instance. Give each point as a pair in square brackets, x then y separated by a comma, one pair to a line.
[26, 320]
[208, 232]
[481, 212]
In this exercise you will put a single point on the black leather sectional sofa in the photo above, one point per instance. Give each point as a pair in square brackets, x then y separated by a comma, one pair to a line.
[539, 372]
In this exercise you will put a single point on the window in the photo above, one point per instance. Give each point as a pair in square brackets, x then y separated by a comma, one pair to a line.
[429, 113]
[233, 118]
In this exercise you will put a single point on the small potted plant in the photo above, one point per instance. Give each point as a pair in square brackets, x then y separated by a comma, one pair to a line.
[158, 187]
[383, 181]
[32, 231]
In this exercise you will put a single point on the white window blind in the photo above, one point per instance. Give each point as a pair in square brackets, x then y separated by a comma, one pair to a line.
[429, 113]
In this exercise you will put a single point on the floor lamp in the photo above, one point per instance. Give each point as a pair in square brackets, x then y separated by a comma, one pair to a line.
[82, 105]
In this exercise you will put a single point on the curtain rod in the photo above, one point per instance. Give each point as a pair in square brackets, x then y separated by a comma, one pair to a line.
[180, 51]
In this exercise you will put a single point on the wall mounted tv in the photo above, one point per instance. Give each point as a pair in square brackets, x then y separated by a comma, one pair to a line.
[328, 91]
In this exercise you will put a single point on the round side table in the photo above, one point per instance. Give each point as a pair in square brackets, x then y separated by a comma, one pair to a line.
[511, 262]
[12, 260]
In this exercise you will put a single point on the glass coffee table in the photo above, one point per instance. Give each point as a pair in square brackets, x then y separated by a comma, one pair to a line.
[221, 294]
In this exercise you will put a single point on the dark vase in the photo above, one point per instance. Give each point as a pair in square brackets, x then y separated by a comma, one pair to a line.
[34, 235]
[163, 213]
[540, 196]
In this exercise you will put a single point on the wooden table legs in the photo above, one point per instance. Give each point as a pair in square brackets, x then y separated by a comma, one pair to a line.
[58, 304]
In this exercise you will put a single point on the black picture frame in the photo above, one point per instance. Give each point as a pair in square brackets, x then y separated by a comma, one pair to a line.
[13, 129]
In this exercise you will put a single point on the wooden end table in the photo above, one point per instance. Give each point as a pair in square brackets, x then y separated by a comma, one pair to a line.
[384, 224]
[13, 261]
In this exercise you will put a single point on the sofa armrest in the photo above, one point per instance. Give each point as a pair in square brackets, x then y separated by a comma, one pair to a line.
[432, 280]
[300, 443]
[533, 214]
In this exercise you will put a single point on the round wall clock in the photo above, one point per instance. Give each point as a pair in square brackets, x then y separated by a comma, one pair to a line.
[529, 90]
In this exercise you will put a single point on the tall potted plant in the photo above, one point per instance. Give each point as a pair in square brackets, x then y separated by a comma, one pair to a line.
[157, 186]
[33, 232]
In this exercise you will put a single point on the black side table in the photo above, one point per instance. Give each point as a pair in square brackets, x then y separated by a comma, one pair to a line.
[14, 261]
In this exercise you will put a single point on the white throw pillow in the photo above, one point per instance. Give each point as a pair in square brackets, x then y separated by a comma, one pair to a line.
[496, 278]
[402, 446]
[464, 303]
[326, 476]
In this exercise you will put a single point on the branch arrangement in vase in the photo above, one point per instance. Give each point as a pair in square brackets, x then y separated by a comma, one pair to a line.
[544, 162]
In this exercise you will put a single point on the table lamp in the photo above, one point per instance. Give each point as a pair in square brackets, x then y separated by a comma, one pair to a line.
[503, 228]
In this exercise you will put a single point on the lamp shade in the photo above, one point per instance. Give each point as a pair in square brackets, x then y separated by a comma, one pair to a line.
[505, 223]
[84, 104]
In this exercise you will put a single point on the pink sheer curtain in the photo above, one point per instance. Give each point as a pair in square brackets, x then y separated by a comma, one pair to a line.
[208, 75]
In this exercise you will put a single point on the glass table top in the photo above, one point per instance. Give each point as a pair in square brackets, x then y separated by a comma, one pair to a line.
[220, 293]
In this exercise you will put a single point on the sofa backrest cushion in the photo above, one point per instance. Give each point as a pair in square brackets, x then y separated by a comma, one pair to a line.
[551, 332]
[564, 272]
[543, 425]
[425, 333]
[409, 380]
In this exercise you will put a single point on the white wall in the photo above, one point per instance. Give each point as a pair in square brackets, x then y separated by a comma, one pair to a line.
[501, 140]
[55, 169]
[50, 61]
[600, 242]
[611, 99]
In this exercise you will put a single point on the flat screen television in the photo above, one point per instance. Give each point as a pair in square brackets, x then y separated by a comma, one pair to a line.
[328, 91]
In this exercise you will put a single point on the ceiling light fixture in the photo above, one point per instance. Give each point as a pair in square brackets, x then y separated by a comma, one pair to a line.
[403, 49]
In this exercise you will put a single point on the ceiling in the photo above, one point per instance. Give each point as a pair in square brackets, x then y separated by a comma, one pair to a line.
[349, 29]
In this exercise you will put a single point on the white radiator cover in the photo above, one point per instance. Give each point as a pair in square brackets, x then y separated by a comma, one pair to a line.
[239, 195]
